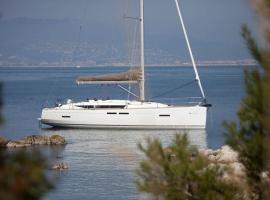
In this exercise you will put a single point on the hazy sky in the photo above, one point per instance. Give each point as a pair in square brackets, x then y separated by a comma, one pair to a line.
[214, 25]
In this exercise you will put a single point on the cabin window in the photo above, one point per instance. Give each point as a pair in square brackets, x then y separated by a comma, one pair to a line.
[65, 116]
[111, 113]
[164, 115]
[123, 113]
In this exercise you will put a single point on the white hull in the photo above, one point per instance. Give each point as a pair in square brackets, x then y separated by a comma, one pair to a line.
[168, 117]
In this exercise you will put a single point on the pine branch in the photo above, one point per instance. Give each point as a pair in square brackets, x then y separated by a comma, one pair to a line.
[252, 45]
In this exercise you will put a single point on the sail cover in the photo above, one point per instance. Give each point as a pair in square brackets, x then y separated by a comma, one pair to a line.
[131, 76]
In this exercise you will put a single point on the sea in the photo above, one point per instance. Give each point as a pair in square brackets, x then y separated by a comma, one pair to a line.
[102, 163]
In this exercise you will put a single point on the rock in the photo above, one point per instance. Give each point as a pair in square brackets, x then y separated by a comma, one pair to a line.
[238, 169]
[57, 140]
[206, 152]
[212, 158]
[224, 155]
[16, 144]
[235, 173]
[265, 176]
[212, 155]
[36, 140]
[227, 155]
[3, 142]
[227, 160]
[59, 166]
[229, 167]
[216, 152]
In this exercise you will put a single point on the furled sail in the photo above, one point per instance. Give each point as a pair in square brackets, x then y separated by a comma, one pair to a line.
[131, 76]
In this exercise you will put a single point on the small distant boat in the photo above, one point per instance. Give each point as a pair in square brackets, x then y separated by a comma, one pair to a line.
[137, 114]
[78, 66]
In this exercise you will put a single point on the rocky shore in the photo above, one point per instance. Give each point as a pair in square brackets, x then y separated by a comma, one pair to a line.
[60, 166]
[33, 140]
[231, 168]
[228, 160]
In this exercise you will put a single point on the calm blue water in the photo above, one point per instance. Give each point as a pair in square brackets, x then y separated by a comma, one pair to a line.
[102, 163]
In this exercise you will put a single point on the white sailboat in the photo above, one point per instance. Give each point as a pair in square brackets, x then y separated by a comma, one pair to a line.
[129, 114]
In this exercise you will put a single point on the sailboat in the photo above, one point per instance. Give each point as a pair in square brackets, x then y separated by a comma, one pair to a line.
[129, 114]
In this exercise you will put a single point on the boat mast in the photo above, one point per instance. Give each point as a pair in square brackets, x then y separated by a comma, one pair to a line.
[141, 84]
[190, 51]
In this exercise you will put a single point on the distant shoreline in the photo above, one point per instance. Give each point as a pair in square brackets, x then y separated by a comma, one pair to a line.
[150, 66]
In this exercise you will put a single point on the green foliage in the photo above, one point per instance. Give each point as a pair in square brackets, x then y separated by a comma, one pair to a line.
[247, 140]
[1, 103]
[262, 55]
[22, 176]
[179, 172]
[252, 44]
[251, 137]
